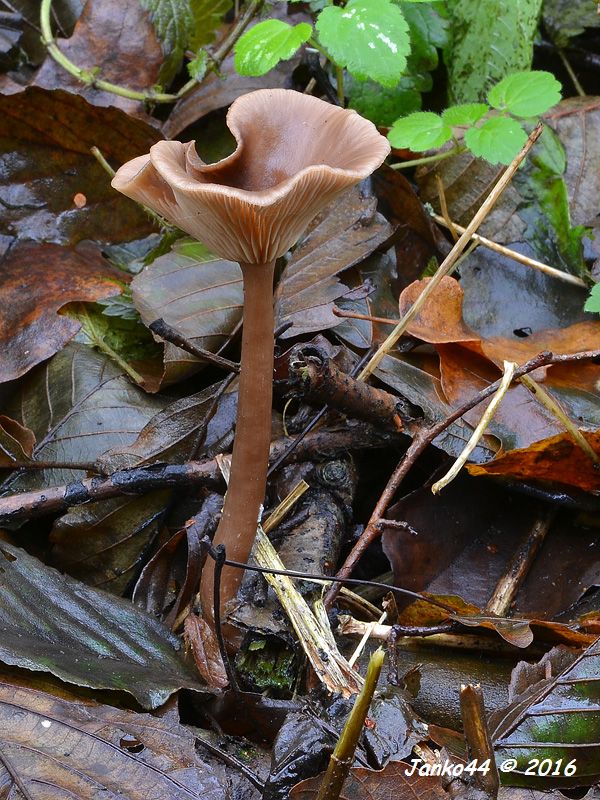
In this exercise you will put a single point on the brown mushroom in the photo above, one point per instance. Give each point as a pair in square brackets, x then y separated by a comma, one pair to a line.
[294, 155]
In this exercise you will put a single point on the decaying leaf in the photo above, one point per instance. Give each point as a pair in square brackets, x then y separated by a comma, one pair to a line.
[52, 623]
[366, 784]
[203, 644]
[343, 235]
[30, 329]
[54, 744]
[16, 442]
[45, 160]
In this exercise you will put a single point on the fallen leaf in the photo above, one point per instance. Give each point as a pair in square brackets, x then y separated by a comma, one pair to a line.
[45, 160]
[78, 405]
[52, 623]
[55, 744]
[472, 550]
[556, 718]
[30, 329]
[201, 640]
[198, 295]
[368, 784]
[558, 460]
[109, 37]
[103, 543]
[342, 236]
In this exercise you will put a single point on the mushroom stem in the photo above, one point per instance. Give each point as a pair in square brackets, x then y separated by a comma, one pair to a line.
[249, 462]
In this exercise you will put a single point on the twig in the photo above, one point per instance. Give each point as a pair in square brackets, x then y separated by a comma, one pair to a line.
[520, 564]
[169, 334]
[574, 79]
[365, 638]
[506, 251]
[444, 207]
[89, 76]
[319, 380]
[423, 439]
[219, 556]
[509, 371]
[342, 758]
[478, 738]
[554, 407]
[449, 262]
[144, 479]
[340, 312]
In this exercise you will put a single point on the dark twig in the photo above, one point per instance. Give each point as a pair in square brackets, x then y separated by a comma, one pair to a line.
[220, 558]
[314, 421]
[422, 439]
[141, 480]
[319, 380]
[169, 334]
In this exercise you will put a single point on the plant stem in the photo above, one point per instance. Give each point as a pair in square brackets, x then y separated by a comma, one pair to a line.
[415, 162]
[343, 756]
[248, 477]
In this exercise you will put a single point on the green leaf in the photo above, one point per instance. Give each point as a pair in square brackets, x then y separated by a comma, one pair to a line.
[207, 15]
[498, 140]
[368, 37]
[382, 105]
[554, 718]
[490, 39]
[420, 131]
[593, 302]
[428, 31]
[465, 114]
[565, 19]
[526, 94]
[172, 22]
[198, 65]
[268, 43]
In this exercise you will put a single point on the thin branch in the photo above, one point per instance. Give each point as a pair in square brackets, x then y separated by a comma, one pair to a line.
[169, 334]
[423, 439]
[506, 251]
[449, 263]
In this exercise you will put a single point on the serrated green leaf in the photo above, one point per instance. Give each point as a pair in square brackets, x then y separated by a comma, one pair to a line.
[466, 114]
[526, 94]
[420, 131]
[428, 31]
[207, 15]
[490, 39]
[498, 140]
[268, 43]
[593, 302]
[368, 37]
[172, 22]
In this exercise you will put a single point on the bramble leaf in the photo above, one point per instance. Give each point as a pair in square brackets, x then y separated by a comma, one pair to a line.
[498, 140]
[526, 94]
[172, 22]
[368, 37]
[207, 16]
[593, 302]
[420, 131]
[268, 43]
[465, 114]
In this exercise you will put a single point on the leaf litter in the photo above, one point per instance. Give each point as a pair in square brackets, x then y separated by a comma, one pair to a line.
[87, 392]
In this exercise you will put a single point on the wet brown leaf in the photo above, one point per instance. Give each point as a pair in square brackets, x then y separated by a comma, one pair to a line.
[54, 744]
[343, 235]
[110, 36]
[30, 329]
[367, 784]
[484, 526]
[45, 160]
[557, 459]
[201, 640]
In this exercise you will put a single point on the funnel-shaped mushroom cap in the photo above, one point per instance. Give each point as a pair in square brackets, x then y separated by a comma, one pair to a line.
[294, 154]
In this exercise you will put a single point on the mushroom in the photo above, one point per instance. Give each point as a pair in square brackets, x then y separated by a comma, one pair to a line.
[295, 154]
